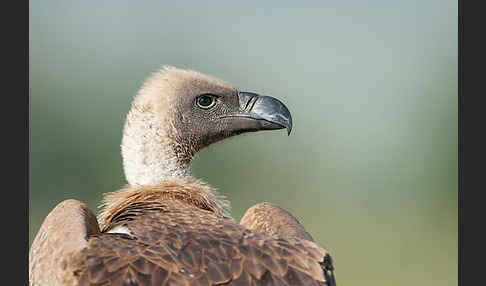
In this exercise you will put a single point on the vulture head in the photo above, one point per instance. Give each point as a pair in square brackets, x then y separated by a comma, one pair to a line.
[178, 112]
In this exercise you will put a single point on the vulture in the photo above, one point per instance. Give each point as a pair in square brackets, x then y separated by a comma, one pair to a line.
[165, 227]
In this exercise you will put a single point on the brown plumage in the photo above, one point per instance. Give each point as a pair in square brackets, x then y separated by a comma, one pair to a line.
[166, 227]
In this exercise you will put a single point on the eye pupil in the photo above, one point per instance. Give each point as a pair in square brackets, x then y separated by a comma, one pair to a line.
[205, 101]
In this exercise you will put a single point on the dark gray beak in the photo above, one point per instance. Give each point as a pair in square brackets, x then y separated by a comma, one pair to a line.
[269, 112]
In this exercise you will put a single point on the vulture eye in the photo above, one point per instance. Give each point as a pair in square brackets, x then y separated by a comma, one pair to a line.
[206, 101]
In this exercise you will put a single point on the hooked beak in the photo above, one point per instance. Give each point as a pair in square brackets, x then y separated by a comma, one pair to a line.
[268, 113]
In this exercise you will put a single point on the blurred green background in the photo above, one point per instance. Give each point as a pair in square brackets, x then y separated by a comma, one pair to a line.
[371, 166]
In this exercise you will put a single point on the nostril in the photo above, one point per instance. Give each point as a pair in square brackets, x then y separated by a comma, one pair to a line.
[246, 100]
[248, 103]
[254, 99]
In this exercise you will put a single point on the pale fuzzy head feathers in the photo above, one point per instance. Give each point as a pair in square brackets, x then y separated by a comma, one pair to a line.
[161, 134]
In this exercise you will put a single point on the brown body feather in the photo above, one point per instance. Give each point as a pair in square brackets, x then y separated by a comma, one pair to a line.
[178, 242]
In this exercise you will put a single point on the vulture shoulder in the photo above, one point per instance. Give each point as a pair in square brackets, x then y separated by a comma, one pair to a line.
[271, 218]
[65, 231]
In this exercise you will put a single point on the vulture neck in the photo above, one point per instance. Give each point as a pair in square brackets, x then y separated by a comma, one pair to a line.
[150, 155]
[157, 169]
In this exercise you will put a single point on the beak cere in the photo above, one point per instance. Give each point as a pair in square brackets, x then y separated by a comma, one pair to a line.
[269, 112]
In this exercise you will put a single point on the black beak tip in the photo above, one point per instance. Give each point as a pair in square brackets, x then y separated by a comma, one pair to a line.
[289, 126]
[288, 119]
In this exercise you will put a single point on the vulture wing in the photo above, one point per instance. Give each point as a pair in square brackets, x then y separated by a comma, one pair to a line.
[65, 230]
[270, 218]
[175, 243]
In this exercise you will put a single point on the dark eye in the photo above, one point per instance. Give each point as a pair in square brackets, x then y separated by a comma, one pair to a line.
[206, 101]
